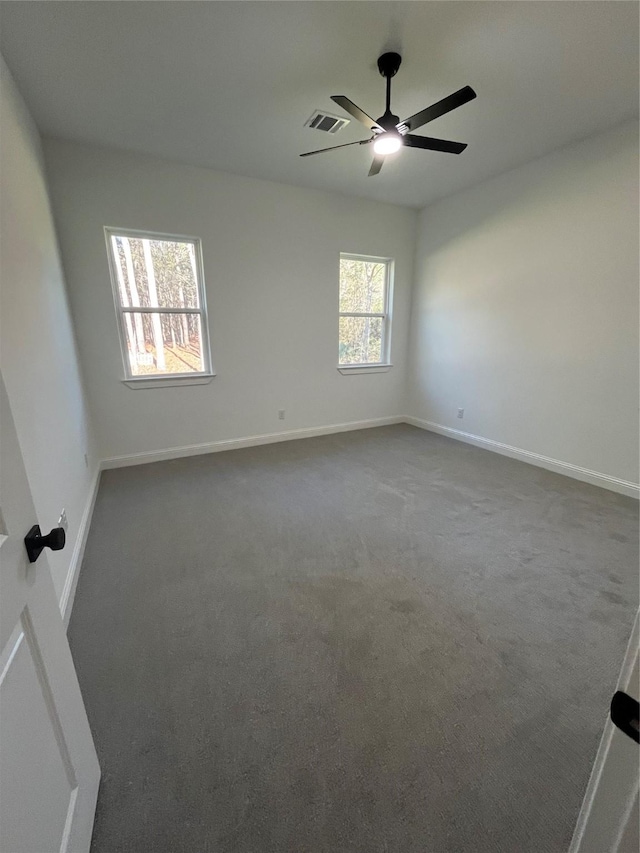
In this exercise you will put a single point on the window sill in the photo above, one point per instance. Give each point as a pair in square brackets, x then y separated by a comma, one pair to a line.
[351, 369]
[168, 381]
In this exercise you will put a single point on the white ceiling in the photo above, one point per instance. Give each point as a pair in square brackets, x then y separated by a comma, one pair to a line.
[229, 85]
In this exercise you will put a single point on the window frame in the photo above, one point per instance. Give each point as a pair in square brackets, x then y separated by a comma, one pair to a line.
[160, 379]
[385, 350]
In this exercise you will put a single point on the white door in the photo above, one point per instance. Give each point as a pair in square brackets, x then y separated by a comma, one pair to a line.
[49, 771]
[608, 820]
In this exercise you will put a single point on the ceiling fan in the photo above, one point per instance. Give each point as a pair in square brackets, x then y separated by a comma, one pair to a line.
[389, 133]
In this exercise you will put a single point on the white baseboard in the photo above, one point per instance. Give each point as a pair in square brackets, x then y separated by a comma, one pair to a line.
[71, 582]
[614, 484]
[247, 441]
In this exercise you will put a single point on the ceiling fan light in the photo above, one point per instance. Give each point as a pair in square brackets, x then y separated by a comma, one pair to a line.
[387, 143]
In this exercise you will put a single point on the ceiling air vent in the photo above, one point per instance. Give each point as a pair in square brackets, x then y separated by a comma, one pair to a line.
[326, 121]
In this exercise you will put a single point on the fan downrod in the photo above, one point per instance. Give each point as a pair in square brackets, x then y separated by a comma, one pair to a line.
[388, 64]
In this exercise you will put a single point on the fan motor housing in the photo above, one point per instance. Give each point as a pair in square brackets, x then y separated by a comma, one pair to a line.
[388, 121]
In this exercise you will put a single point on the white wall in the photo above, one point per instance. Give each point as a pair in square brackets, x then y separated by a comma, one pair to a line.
[525, 307]
[271, 270]
[37, 349]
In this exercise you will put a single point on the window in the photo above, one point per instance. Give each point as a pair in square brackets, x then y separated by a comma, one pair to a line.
[159, 293]
[365, 285]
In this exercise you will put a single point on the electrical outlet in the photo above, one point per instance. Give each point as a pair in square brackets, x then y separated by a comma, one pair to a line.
[460, 413]
[281, 414]
[62, 521]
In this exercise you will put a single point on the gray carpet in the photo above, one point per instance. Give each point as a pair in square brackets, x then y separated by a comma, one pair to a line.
[378, 641]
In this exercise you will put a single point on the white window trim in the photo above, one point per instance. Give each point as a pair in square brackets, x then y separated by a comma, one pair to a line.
[377, 366]
[167, 379]
[355, 369]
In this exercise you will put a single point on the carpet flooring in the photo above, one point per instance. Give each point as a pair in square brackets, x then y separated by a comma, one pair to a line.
[381, 641]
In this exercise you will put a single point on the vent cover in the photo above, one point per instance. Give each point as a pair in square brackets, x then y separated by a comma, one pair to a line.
[326, 122]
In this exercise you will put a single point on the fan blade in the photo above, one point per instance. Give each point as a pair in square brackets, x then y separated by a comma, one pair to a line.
[355, 111]
[430, 144]
[333, 147]
[376, 165]
[451, 102]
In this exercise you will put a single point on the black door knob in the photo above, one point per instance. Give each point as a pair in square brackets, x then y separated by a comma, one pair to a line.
[625, 714]
[34, 541]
